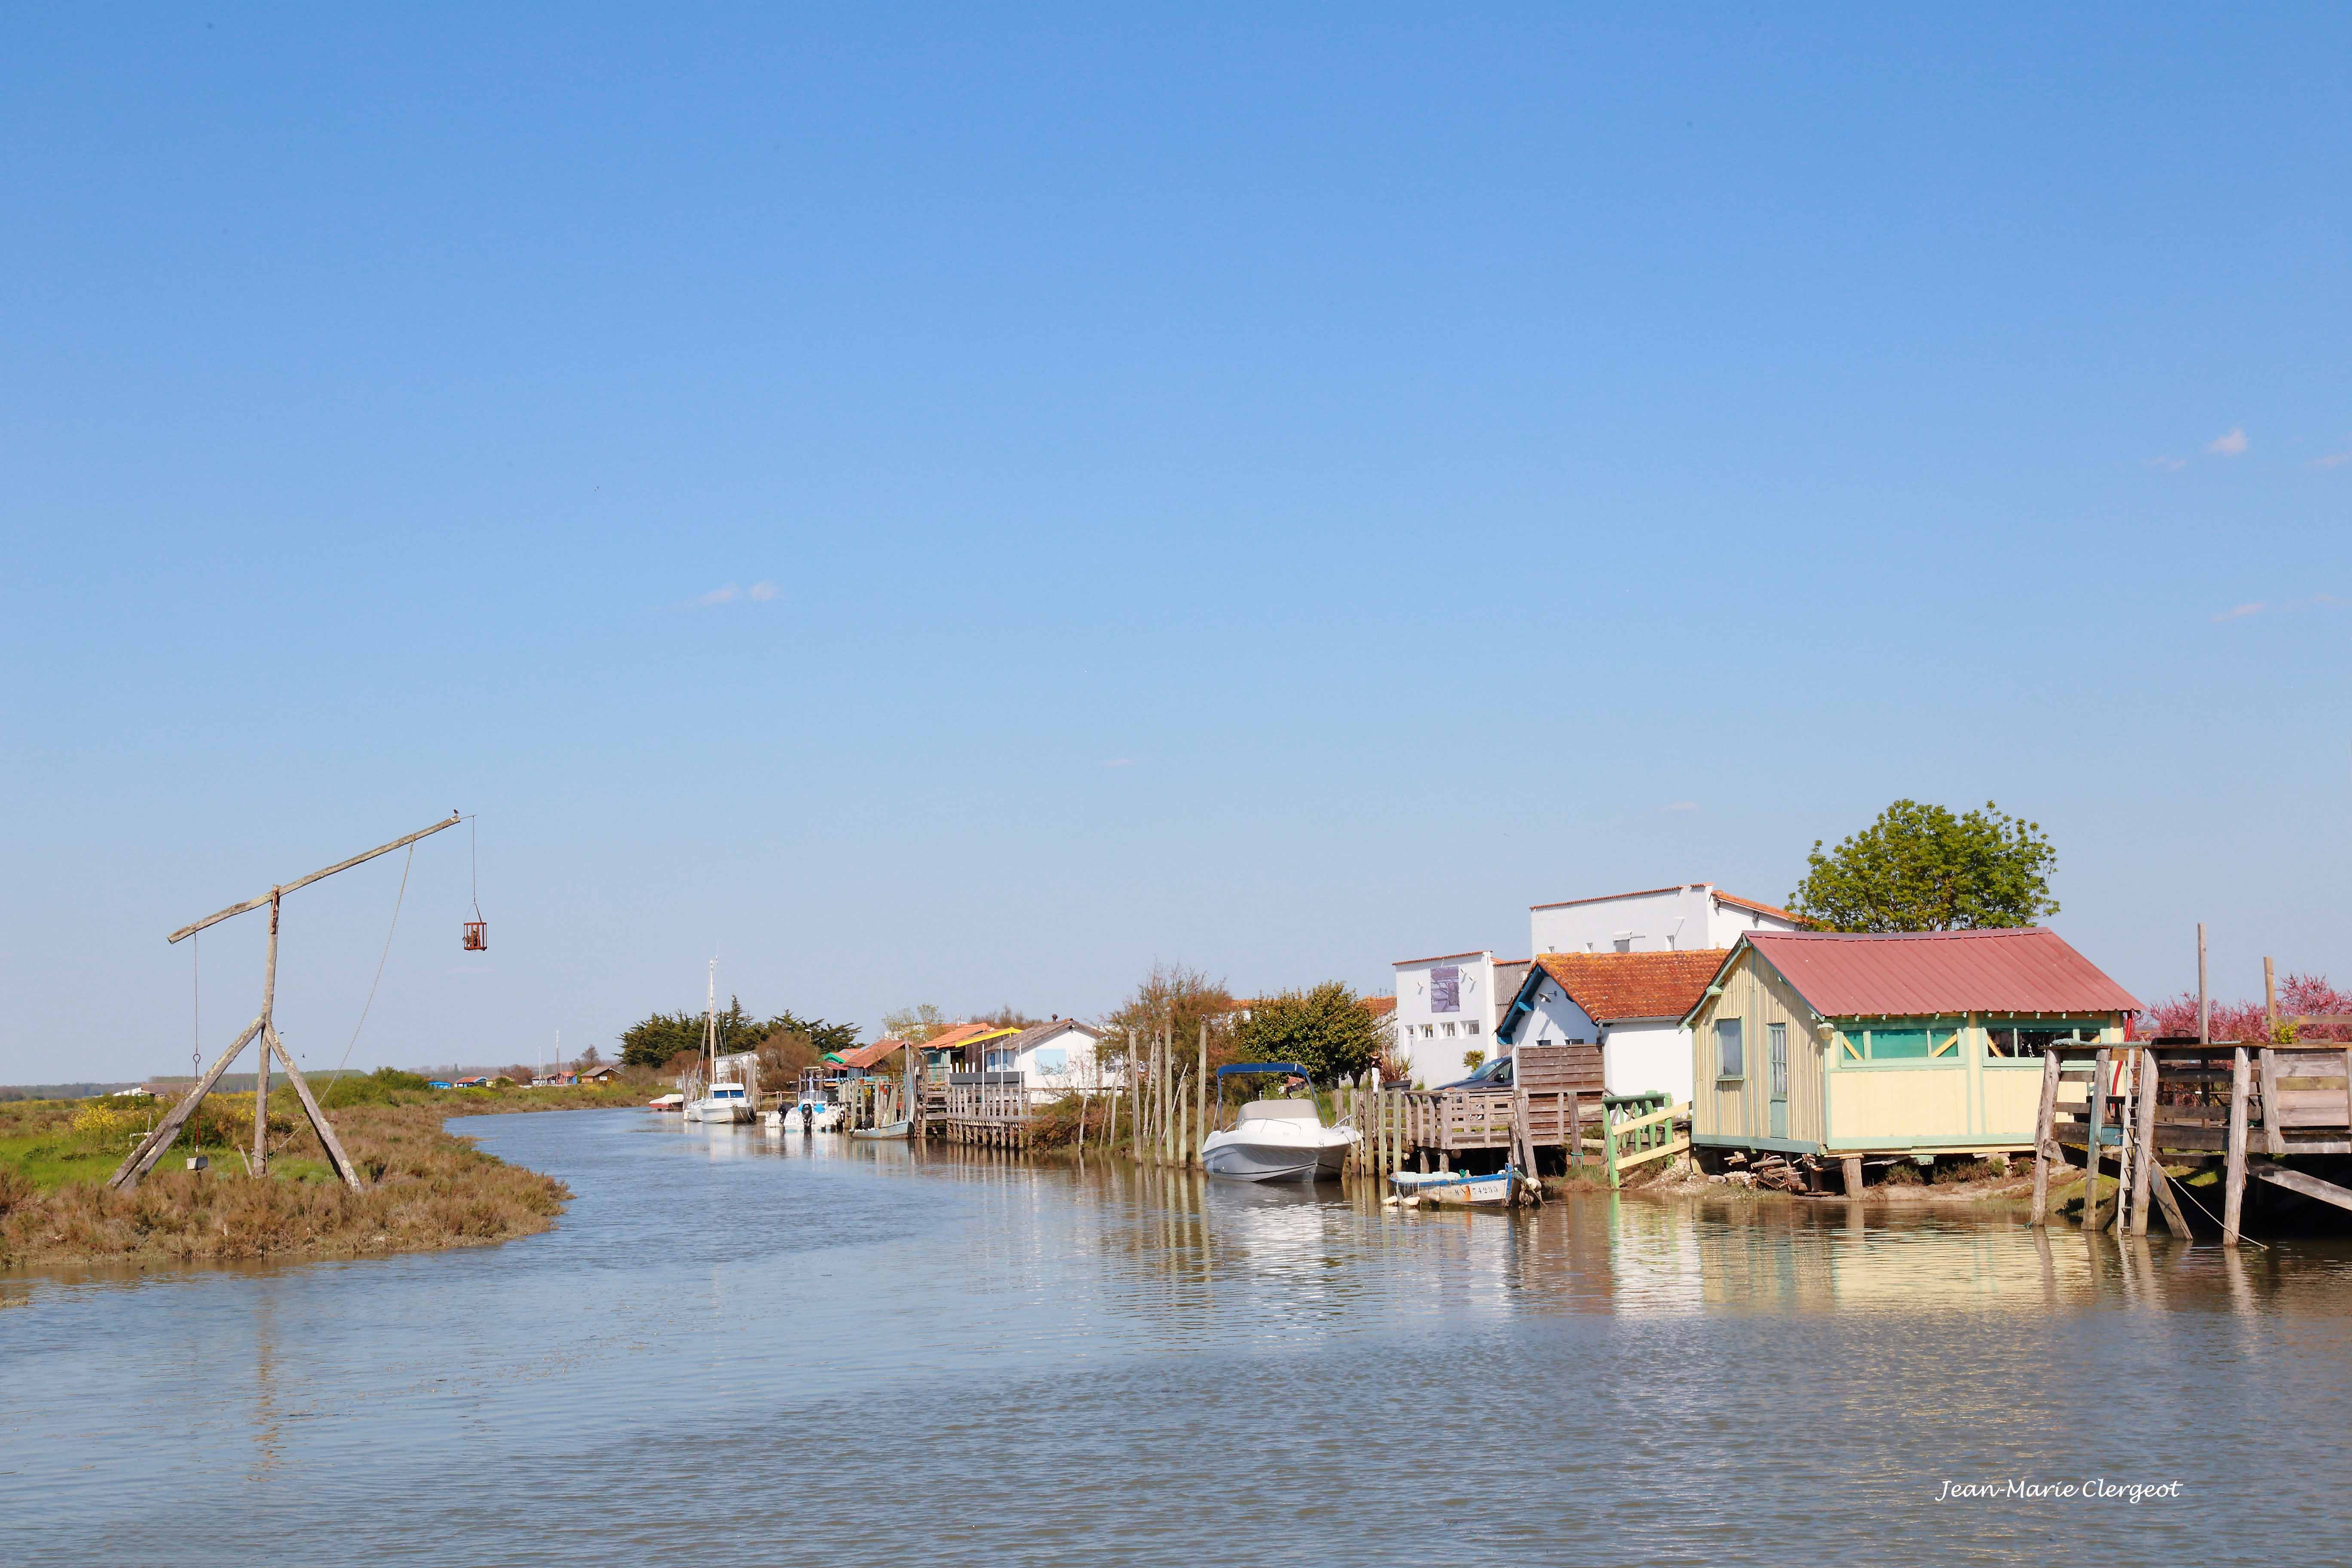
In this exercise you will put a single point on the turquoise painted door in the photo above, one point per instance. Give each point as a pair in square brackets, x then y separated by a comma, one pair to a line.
[1777, 1035]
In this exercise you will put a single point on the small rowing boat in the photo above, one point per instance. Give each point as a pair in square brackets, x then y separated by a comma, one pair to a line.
[899, 1129]
[1457, 1188]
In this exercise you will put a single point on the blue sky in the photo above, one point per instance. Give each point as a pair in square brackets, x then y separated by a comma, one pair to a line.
[956, 507]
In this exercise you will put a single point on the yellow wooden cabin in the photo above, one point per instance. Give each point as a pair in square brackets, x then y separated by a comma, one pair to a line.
[1920, 1043]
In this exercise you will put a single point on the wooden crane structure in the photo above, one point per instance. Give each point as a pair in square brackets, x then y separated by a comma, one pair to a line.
[150, 1149]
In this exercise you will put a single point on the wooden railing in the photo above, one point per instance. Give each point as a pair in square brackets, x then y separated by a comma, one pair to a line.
[2147, 1104]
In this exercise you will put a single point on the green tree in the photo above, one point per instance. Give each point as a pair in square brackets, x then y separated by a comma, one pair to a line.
[1179, 1000]
[1327, 1029]
[914, 1025]
[1919, 868]
[651, 1042]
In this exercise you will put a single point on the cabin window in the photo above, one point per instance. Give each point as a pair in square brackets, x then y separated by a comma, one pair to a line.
[1775, 1040]
[1730, 1053]
[2013, 1042]
[1051, 1058]
[1469, 1025]
[1936, 1041]
[1449, 1031]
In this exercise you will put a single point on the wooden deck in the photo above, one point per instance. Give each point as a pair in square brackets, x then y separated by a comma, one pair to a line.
[2138, 1108]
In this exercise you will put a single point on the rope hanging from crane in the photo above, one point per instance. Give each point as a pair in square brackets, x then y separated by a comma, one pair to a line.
[396, 901]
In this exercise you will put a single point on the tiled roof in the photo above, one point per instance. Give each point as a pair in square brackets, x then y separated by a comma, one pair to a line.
[865, 1056]
[2026, 970]
[1378, 1006]
[957, 1036]
[1613, 986]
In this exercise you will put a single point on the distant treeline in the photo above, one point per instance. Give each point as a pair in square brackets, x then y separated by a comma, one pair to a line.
[652, 1042]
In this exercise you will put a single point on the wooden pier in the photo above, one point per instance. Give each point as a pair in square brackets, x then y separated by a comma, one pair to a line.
[982, 1110]
[1556, 1101]
[2262, 1113]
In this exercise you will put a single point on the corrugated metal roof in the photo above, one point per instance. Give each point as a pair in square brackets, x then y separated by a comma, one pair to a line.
[2030, 970]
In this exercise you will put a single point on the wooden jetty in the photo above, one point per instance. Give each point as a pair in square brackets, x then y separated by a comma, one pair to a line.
[2266, 1113]
[1556, 1101]
[982, 1110]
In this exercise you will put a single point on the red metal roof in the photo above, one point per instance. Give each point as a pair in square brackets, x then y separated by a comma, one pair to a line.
[2031, 970]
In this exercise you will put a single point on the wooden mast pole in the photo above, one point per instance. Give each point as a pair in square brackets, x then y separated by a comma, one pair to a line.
[261, 1057]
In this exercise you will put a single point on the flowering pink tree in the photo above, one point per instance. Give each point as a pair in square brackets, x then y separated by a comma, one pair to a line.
[2297, 994]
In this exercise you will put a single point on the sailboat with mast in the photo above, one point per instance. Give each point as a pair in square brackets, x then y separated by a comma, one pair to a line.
[723, 1100]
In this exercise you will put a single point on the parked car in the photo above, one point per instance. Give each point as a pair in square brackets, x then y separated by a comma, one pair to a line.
[1495, 1074]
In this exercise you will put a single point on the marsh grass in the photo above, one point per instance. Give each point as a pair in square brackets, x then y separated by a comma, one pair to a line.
[428, 1188]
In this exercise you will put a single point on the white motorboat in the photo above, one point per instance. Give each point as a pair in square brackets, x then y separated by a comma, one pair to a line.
[817, 1111]
[1274, 1140]
[725, 1102]
[788, 1122]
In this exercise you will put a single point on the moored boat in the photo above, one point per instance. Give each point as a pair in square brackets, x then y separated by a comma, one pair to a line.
[898, 1129]
[1281, 1140]
[1492, 1189]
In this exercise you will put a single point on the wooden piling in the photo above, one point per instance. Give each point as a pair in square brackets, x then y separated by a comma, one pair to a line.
[1851, 1168]
[2233, 1174]
[2045, 1139]
[2091, 1153]
[2144, 1142]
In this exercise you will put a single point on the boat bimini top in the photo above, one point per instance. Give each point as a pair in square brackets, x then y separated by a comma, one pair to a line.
[1270, 1109]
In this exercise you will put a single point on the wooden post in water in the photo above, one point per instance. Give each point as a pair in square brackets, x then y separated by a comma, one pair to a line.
[2144, 1141]
[2233, 1170]
[1201, 1095]
[2127, 1149]
[2091, 1153]
[2045, 1141]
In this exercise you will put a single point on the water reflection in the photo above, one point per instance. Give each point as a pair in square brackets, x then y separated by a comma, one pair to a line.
[725, 1313]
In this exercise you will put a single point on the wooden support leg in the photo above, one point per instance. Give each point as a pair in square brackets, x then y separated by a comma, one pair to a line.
[2143, 1144]
[2098, 1126]
[141, 1160]
[1851, 1168]
[2045, 1138]
[319, 1122]
[2233, 1175]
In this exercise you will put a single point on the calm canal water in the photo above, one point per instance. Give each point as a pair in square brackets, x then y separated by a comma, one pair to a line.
[733, 1349]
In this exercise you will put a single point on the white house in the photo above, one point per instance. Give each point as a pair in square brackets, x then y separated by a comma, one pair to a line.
[1051, 1058]
[1447, 1007]
[1630, 1004]
[1657, 920]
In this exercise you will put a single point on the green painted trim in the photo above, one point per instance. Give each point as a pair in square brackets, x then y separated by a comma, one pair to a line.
[1736, 1141]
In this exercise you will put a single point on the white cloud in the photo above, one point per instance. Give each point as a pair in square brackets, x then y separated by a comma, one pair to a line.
[2235, 612]
[2169, 465]
[2333, 460]
[764, 592]
[2233, 445]
[720, 595]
